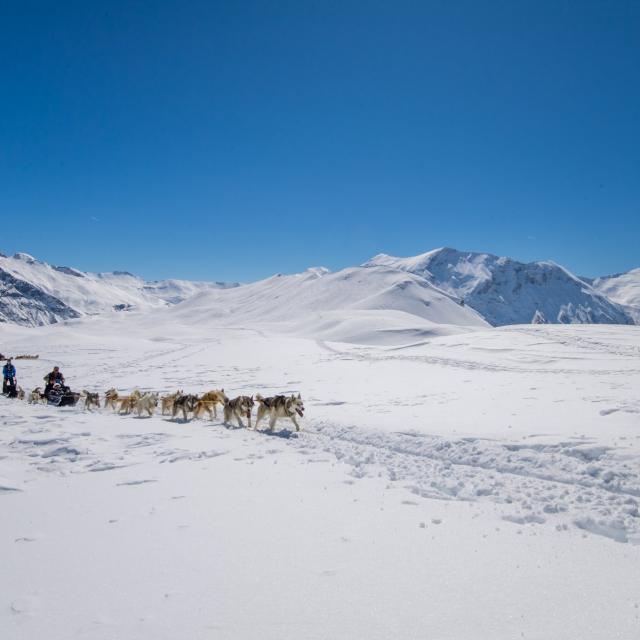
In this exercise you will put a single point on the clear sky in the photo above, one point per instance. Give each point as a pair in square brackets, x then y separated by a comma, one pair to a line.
[233, 140]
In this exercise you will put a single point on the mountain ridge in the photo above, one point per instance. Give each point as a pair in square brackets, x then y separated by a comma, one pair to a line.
[434, 287]
[507, 291]
[34, 293]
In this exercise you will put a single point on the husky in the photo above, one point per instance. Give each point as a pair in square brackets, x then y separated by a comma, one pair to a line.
[91, 400]
[148, 402]
[128, 403]
[167, 401]
[279, 407]
[209, 403]
[111, 398]
[36, 396]
[184, 403]
[238, 407]
[21, 393]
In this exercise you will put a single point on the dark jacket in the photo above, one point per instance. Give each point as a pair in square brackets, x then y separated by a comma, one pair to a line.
[53, 377]
[8, 371]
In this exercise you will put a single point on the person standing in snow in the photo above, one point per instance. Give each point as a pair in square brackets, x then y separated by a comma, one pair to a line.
[8, 376]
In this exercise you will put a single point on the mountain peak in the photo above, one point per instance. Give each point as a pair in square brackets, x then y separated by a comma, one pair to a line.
[24, 257]
[506, 291]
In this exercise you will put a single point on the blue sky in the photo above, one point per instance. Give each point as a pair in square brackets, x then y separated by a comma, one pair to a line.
[233, 140]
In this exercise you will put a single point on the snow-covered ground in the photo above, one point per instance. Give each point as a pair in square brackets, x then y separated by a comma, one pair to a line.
[477, 485]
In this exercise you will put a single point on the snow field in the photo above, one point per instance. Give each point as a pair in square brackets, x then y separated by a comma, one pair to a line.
[469, 486]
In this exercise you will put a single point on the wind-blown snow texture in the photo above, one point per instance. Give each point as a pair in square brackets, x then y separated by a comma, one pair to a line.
[505, 291]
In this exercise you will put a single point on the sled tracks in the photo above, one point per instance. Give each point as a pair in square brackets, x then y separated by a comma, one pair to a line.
[469, 365]
[572, 483]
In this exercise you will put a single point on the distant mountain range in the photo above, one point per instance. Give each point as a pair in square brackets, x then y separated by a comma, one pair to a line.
[505, 291]
[35, 293]
[432, 291]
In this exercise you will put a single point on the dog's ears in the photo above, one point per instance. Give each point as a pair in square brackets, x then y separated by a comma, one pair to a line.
[299, 397]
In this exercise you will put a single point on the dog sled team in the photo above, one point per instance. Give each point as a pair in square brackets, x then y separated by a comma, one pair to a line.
[186, 404]
[179, 403]
[189, 405]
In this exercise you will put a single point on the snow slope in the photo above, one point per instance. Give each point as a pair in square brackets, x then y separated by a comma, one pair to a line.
[46, 293]
[505, 291]
[482, 485]
[368, 305]
[623, 288]
[387, 299]
[23, 303]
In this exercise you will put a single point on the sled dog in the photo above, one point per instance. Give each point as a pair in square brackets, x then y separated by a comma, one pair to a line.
[148, 402]
[185, 403]
[239, 408]
[91, 400]
[128, 403]
[111, 398]
[20, 393]
[167, 401]
[36, 396]
[209, 402]
[279, 407]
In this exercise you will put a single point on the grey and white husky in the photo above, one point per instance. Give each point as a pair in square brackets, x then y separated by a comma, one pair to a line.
[280, 407]
[91, 400]
[239, 408]
[185, 403]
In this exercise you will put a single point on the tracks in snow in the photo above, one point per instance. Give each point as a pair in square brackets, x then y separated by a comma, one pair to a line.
[569, 482]
[368, 355]
[573, 482]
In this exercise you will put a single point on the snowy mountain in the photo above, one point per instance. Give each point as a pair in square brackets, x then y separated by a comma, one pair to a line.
[356, 304]
[623, 288]
[434, 293]
[36, 293]
[505, 291]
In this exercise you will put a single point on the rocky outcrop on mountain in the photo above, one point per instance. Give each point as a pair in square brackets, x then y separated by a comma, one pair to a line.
[36, 293]
[22, 303]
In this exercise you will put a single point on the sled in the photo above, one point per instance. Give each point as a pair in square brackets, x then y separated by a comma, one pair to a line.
[62, 397]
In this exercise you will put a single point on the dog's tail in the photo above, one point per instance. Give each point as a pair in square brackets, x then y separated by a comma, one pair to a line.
[259, 398]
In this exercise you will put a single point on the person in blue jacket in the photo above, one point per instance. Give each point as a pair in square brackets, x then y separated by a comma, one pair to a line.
[8, 377]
